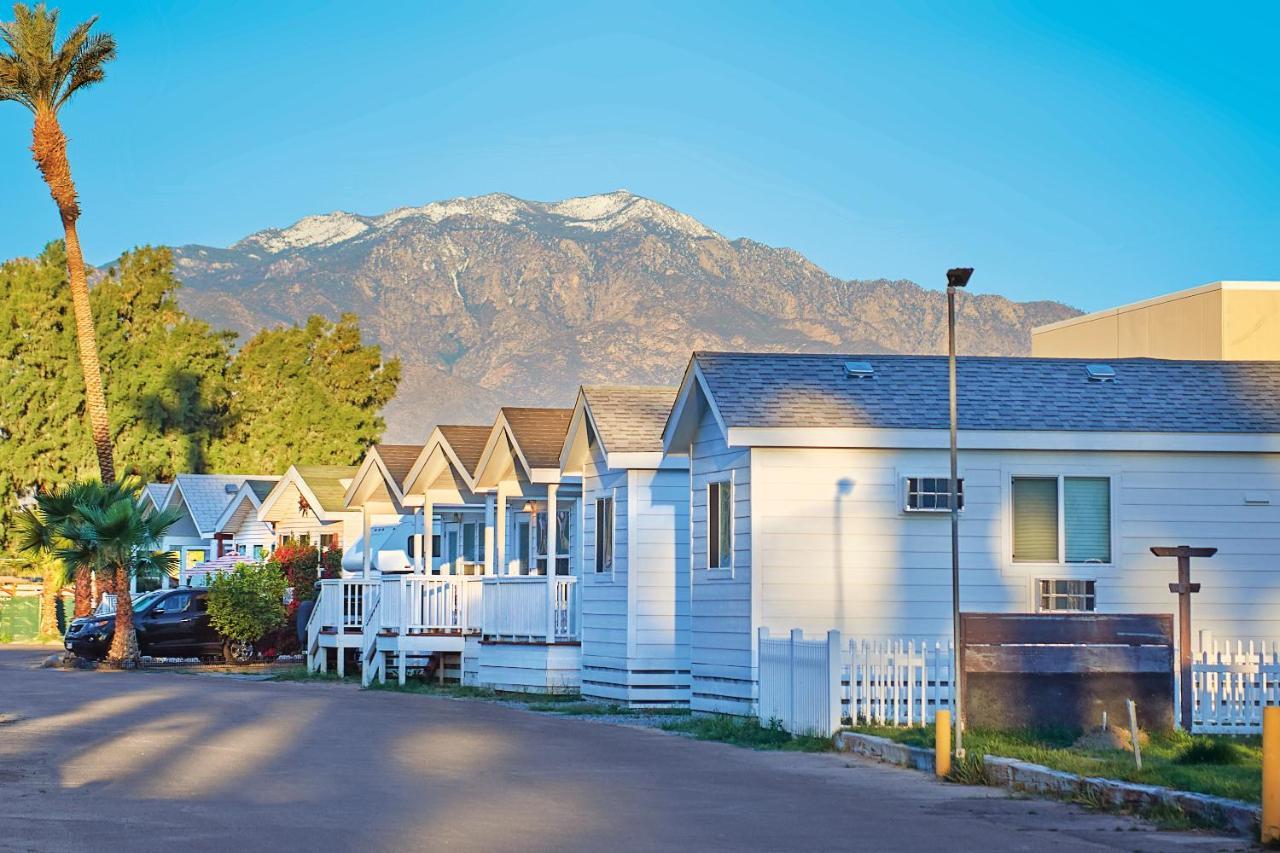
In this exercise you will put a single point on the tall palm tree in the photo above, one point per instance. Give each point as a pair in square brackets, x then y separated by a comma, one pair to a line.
[42, 75]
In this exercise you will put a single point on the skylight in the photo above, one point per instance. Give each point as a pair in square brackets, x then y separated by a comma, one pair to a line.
[1100, 372]
[859, 369]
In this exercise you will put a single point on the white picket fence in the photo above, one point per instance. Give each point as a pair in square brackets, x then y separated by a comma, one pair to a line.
[1232, 681]
[898, 682]
[800, 682]
[811, 686]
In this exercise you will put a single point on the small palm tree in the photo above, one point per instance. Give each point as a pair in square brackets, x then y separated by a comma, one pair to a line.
[54, 578]
[42, 75]
[104, 531]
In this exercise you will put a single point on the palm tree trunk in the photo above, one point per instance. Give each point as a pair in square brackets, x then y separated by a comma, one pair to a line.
[49, 147]
[50, 592]
[124, 645]
[84, 591]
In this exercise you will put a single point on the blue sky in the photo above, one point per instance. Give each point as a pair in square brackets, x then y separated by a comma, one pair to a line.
[1088, 152]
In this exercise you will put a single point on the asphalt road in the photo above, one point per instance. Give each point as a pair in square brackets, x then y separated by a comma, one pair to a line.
[107, 761]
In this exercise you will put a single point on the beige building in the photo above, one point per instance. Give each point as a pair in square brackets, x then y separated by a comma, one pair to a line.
[1225, 320]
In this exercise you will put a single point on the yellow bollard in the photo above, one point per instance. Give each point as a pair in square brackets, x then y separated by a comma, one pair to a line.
[942, 743]
[1270, 774]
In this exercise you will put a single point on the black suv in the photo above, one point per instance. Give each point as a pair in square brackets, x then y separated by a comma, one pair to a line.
[170, 623]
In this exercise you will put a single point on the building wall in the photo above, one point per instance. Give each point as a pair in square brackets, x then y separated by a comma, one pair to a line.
[604, 595]
[834, 548]
[1224, 320]
[721, 639]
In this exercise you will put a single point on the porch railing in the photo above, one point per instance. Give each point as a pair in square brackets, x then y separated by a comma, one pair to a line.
[342, 602]
[530, 608]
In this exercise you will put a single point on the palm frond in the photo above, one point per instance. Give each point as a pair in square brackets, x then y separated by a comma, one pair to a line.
[40, 73]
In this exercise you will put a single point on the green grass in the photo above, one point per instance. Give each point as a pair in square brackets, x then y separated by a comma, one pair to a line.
[745, 731]
[1221, 765]
[299, 673]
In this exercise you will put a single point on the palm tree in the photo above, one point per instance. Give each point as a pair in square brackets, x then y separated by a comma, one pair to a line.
[54, 578]
[100, 527]
[42, 75]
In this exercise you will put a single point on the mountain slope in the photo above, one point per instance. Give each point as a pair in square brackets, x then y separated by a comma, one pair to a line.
[494, 300]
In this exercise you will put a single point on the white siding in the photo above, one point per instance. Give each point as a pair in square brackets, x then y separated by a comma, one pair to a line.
[722, 635]
[835, 549]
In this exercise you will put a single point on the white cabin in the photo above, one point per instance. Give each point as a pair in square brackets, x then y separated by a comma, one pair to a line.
[635, 547]
[239, 530]
[820, 496]
[202, 498]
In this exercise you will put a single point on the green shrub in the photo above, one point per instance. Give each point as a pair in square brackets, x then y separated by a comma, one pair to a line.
[248, 602]
[1211, 750]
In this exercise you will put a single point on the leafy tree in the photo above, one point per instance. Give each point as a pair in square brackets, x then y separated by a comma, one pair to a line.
[308, 395]
[247, 602]
[42, 75]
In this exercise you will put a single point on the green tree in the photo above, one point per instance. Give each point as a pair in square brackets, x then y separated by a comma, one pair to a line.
[42, 75]
[245, 604]
[308, 395]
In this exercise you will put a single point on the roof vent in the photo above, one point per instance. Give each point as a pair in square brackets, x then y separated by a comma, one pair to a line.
[1100, 372]
[859, 369]
[231, 488]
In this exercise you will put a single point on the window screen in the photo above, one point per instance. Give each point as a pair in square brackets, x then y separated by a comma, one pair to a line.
[1086, 510]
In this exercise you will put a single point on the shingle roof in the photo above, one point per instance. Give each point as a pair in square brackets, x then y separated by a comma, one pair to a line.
[398, 458]
[262, 486]
[630, 418]
[540, 433]
[156, 492]
[1147, 395]
[467, 442]
[327, 483]
[207, 495]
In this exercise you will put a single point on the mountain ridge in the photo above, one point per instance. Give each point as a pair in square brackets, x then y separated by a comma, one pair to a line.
[494, 300]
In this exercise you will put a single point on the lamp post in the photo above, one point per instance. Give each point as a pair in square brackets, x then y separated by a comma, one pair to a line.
[956, 278]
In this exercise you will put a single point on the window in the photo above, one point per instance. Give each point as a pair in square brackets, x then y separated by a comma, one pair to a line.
[604, 534]
[259, 551]
[564, 520]
[435, 545]
[328, 540]
[720, 525]
[196, 556]
[1080, 533]
[472, 541]
[176, 603]
[1067, 595]
[242, 550]
[931, 494]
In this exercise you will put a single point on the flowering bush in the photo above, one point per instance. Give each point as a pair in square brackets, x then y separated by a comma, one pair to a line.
[300, 563]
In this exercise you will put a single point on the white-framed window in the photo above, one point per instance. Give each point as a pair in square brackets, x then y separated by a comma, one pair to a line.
[720, 525]
[930, 494]
[604, 534]
[1065, 595]
[259, 552]
[242, 550]
[473, 541]
[1061, 519]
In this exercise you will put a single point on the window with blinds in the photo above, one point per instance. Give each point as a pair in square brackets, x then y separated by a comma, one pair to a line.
[1080, 533]
[604, 534]
[1035, 519]
[720, 525]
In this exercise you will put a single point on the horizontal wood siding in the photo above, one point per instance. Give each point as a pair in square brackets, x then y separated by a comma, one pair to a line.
[721, 637]
[530, 667]
[835, 549]
[604, 595]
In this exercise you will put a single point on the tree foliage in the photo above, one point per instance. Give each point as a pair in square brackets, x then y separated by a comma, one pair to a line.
[248, 602]
[182, 399]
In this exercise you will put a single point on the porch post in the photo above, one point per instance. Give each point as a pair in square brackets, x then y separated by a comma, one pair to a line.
[423, 552]
[552, 521]
[490, 561]
[366, 534]
[500, 531]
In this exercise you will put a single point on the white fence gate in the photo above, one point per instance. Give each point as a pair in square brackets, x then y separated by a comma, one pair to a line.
[897, 682]
[800, 682]
[1231, 682]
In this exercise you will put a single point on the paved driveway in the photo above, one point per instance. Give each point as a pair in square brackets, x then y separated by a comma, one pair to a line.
[106, 761]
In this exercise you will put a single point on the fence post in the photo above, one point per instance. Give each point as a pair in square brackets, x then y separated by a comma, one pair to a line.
[941, 743]
[762, 634]
[833, 680]
[797, 637]
[1270, 774]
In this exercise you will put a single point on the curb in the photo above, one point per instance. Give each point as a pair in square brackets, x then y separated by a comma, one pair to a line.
[1022, 776]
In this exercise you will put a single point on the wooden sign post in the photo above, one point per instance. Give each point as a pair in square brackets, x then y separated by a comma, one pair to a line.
[1184, 589]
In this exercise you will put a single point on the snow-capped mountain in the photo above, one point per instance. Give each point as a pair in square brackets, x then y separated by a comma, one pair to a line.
[496, 300]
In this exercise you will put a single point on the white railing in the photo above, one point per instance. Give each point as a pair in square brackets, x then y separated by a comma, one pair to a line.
[530, 607]
[432, 604]
[897, 682]
[800, 682]
[473, 603]
[341, 603]
[1231, 682]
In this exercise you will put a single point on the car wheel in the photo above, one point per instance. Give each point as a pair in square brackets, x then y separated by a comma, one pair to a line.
[237, 651]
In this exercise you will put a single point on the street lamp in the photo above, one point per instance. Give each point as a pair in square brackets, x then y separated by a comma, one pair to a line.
[956, 278]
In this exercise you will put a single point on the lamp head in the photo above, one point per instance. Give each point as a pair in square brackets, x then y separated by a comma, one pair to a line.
[959, 276]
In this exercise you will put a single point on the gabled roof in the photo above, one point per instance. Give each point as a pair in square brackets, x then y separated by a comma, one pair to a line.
[155, 493]
[535, 437]
[205, 497]
[389, 464]
[772, 391]
[323, 486]
[467, 442]
[249, 497]
[627, 421]
[398, 458]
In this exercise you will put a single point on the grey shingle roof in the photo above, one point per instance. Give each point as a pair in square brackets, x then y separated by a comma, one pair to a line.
[467, 442]
[630, 418]
[262, 486]
[156, 492]
[540, 433]
[1148, 395]
[207, 495]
